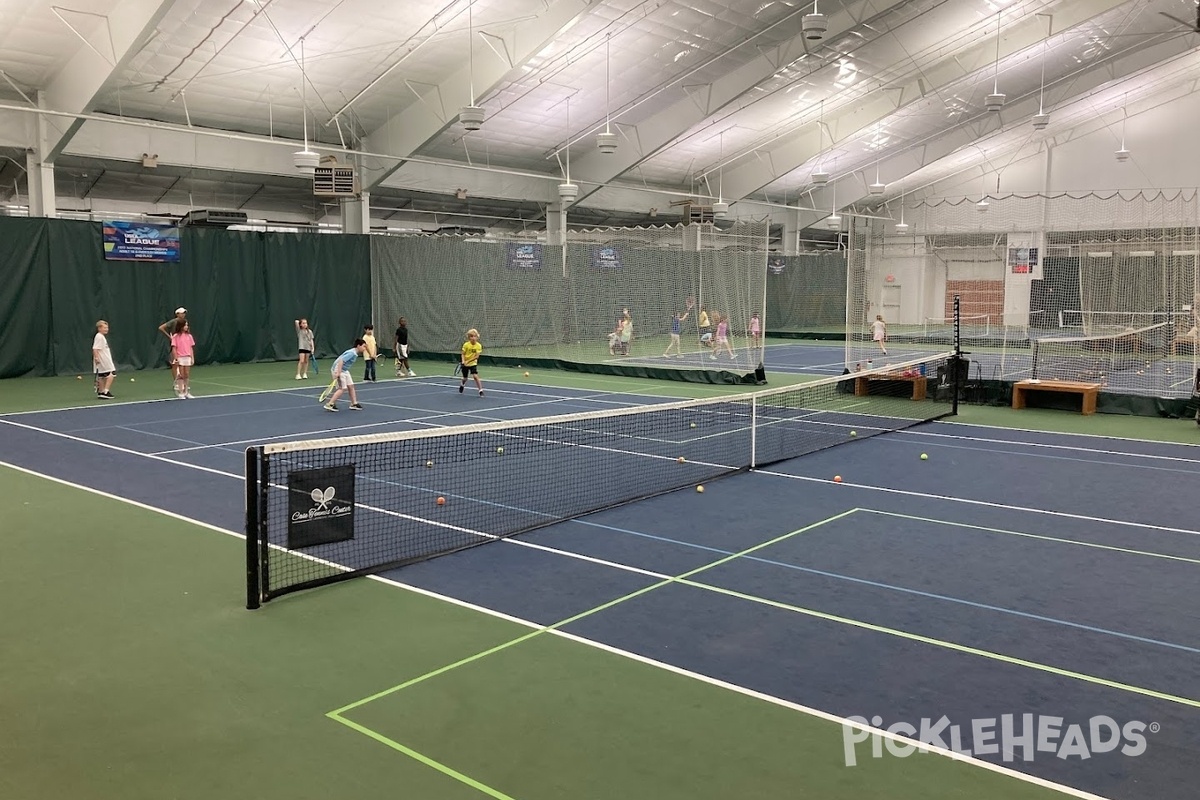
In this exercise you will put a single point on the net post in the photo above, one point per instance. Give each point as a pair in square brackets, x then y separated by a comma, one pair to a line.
[957, 359]
[253, 564]
[753, 431]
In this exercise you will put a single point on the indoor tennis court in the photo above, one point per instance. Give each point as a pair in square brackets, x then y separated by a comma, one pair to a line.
[583, 399]
[630, 640]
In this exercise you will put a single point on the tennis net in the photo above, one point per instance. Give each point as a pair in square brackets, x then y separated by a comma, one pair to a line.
[325, 510]
[1094, 358]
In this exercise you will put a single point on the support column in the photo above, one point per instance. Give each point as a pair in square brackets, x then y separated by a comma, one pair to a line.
[556, 225]
[42, 199]
[791, 232]
[356, 214]
[39, 172]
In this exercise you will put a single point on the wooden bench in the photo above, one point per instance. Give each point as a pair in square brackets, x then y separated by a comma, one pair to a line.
[862, 388]
[1088, 391]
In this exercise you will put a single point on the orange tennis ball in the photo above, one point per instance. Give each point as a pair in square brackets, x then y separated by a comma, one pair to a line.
[441, 501]
[837, 478]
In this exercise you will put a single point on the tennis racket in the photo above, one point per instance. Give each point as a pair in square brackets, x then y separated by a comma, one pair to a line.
[328, 391]
[690, 303]
[457, 368]
[312, 359]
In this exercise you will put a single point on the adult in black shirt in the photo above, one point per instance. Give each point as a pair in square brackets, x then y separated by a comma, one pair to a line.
[401, 347]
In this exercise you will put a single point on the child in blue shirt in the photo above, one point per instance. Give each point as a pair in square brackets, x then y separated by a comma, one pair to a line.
[341, 375]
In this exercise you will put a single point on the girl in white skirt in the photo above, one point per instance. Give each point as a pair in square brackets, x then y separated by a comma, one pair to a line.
[879, 332]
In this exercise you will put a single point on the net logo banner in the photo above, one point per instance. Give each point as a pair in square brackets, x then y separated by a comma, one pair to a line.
[140, 241]
[606, 258]
[320, 506]
[1023, 252]
[524, 256]
[776, 265]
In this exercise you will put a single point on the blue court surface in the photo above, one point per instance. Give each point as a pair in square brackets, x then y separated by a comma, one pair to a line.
[1049, 577]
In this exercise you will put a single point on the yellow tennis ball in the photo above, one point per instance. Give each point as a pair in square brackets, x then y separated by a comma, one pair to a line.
[924, 456]
[700, 489]
[429, 464]
[526, 374]
[854, 433]
[500, 450]
[692, 425]
[78, 377]
[132, 380]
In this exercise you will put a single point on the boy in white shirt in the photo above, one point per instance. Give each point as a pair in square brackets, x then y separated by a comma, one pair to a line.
[102, 362]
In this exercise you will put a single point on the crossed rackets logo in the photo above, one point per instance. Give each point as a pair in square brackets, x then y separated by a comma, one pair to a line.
[322, 498]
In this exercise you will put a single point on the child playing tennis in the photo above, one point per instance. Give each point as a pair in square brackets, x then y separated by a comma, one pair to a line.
[340, 371]
[755, 331]
[705, 329]
[370, 351]
[722, 336]
[102, 362]
[183, 355]
[401, 346]
[306, 343]
[469, 365]
[879, 332]
[676, 329]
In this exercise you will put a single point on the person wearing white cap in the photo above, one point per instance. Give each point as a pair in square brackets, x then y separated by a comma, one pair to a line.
[168, 328]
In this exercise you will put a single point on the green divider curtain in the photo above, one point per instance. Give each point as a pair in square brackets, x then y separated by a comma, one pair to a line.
[26, 341]
[806, 293]
[242, 291]
[325, 278]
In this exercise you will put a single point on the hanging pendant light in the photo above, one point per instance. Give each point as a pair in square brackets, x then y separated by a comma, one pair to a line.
[995, 100]
[567, 191]
[1041, 120]
[1123, 154]
[471, 116]
[305, 160]
[820, 178]
[607, 142]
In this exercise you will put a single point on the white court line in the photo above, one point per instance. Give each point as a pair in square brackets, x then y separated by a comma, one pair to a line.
[425, 380]
[1071, 433]
[716, 682]
[1018, 443]
[422, 420]
[974, 502]
[1053, 457]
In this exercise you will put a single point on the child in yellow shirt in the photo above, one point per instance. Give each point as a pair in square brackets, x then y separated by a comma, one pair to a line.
[469, 364]
[369, 353]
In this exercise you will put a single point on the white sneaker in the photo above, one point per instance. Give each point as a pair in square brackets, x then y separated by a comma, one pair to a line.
[412, 374]
[297, 377]
[189, 396]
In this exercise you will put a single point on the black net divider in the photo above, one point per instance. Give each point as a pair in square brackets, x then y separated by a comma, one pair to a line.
[325, 510]
[1095, 358]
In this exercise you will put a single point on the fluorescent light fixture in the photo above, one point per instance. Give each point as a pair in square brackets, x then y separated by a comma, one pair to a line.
[1185, 253]
[1143, 253]
[1100, 254]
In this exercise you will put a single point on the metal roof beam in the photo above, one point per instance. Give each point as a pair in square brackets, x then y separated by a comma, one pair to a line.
[437, 108]
[78, 85]
[697, 104]
[793, 151]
